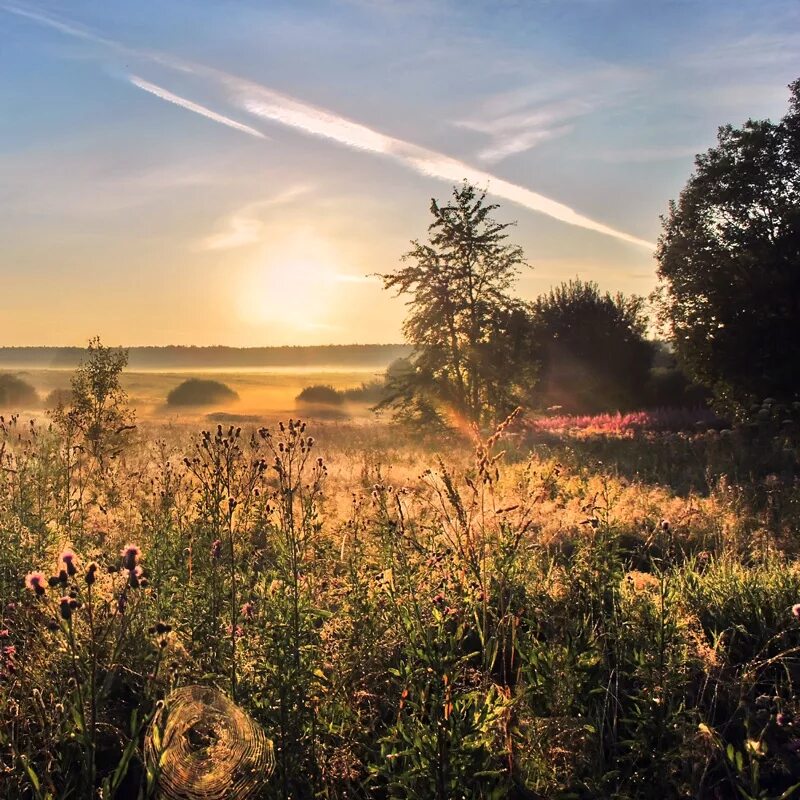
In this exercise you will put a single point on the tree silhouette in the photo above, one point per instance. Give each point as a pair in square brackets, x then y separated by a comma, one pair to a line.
[592, 347]
[729, 263]
[467, 331]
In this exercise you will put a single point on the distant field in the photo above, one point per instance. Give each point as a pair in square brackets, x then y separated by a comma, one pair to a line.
[262, 391]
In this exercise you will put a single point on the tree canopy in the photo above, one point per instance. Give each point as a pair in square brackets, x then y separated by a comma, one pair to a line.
[592, 347]
[729, 263]
[467, 330]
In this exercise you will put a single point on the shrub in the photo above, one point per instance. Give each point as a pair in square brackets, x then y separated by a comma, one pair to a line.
[322, 394]
[16, 392]
[372, 392]
[199, 392]
[57, 397]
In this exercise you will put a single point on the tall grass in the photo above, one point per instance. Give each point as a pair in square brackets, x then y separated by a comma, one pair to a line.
[404, 623]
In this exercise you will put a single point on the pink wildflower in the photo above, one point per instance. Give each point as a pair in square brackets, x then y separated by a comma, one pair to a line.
[35, 581]
[68, 557]
[130, 553]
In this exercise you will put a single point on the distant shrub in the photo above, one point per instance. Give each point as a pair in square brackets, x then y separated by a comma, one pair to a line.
[16, 392]
[372, 392]
[199, 392]
[321, 394]
[58, 397]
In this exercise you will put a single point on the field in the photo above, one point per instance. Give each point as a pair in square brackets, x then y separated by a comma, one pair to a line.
[558, 610]
[263, 392]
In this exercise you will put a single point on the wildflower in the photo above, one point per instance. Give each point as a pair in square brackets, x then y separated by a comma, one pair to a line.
[782, 720]
[136, 577]
[65, 608]
[130, 553]
[35, 582]
[796, 610]
[664, 525]
[216, 549]
[68, 557]
[91, 576]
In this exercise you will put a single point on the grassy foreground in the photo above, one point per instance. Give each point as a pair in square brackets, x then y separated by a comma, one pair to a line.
[526, 616]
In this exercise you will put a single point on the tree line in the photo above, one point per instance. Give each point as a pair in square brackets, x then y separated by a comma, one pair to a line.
[728, 302]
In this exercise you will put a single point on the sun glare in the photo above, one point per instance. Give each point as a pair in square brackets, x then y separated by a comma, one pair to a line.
[292, 285]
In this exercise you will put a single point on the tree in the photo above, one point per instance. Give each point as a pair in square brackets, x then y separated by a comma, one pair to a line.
[467, 331]
[592, 347]
[98, 411]
[729, 263]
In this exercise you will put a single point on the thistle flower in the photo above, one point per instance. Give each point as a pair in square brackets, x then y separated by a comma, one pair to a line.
[782, 720]
[35, 581]
[796, 610]
[68, 557]
[216, 549]
[91, 574]
[135, 577]
[130, 553]
[65, 608]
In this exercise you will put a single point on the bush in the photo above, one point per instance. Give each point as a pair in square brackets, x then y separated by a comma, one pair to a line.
[198, 392]
[372, 392]
[16, 392]
[321, 394]
[57, 397]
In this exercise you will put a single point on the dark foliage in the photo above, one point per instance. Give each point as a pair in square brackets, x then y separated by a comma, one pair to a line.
[321, 394]
[469, 334]
[199, 392]
[16, 393]
[592, 347]
[729, 263]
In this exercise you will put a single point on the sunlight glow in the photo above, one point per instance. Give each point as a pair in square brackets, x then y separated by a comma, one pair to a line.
[293, 285]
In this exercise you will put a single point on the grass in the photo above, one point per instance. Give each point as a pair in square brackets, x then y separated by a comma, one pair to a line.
[533, 615]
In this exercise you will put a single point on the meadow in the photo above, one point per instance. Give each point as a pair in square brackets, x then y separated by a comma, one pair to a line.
[263, 391]
[553, 609]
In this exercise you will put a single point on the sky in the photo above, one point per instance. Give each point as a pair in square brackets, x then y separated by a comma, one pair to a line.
[237, 171]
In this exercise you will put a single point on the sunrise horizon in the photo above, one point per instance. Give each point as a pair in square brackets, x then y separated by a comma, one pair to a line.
[167, 188]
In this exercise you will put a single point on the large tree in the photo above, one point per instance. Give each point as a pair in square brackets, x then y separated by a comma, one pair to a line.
[469, 333]
[593, 348]
[729, 263]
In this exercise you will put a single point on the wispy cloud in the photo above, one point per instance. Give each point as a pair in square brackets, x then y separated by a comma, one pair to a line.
[268, 104]
[246, 226]
[158, 91]
[520, 131]
[263, 102]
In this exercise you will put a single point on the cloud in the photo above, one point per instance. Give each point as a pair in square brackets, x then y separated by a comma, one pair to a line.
[195, 107]
[516, 132]
[245, 226]
[268, 104]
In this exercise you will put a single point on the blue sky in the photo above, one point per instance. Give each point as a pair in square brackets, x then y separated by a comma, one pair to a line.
[231, 172]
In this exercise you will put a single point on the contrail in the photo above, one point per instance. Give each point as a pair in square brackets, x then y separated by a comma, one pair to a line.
[196, 107]
[268, 104]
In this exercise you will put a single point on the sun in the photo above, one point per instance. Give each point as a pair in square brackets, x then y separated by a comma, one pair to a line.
[292, 284]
